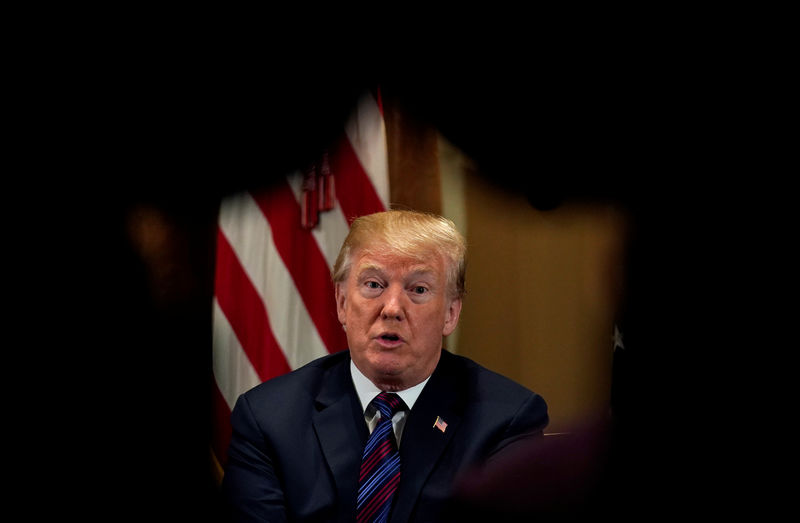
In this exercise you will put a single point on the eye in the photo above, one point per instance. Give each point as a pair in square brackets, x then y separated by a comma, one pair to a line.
[372, 284]
[419, 289]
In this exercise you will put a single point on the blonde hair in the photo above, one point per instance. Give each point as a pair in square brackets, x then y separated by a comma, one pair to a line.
[408, 233]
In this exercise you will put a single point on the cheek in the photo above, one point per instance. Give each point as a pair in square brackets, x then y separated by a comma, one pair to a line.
[430, 323]
[358, 312]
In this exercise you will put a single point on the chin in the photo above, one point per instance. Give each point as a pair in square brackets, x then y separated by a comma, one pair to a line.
[387, 369]
[388, 373]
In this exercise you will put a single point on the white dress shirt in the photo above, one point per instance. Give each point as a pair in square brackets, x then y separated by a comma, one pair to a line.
[367, 391]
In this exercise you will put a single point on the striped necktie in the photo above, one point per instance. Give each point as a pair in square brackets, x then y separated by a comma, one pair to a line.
[380, 465]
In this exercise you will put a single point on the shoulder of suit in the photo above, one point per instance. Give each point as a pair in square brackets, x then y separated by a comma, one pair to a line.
[301, 378]
[480, 379]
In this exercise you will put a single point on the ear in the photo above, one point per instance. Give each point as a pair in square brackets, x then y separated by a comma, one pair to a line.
[339, 294]
[451, 316]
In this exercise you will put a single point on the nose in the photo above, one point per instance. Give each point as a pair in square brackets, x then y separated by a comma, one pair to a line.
[393, 305]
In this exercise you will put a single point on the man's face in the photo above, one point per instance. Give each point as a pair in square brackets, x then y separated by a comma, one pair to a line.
[395, 311]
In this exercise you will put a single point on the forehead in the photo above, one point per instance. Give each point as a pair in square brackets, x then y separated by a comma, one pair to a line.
[396, 265]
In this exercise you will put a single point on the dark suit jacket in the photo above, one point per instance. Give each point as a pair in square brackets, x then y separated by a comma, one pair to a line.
[297, 440]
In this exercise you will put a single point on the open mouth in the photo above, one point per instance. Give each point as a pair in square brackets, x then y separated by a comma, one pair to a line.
[390, 339]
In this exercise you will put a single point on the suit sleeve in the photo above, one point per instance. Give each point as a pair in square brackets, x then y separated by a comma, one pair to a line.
[251, 484]
[527, 424]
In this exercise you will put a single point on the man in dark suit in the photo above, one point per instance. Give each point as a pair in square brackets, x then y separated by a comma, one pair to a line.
[379, 432]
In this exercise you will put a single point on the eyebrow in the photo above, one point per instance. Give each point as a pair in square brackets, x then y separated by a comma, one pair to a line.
[371, 267]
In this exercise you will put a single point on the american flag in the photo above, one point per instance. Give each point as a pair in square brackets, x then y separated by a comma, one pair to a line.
[274, 306]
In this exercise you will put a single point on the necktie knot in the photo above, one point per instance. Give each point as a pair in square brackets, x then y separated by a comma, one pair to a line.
[388, 403]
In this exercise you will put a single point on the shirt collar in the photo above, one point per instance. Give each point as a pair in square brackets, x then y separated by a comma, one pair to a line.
[367, 390]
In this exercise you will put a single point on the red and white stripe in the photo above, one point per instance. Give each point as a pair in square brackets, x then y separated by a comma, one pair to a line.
[274, 308]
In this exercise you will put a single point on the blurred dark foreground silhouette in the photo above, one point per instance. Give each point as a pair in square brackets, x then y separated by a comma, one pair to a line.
[576, 476]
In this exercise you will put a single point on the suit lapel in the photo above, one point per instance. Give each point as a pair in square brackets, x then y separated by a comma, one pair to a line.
[423, 443]
[341, 431]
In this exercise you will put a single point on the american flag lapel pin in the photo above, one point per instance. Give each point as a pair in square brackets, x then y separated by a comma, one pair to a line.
[440, 424]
